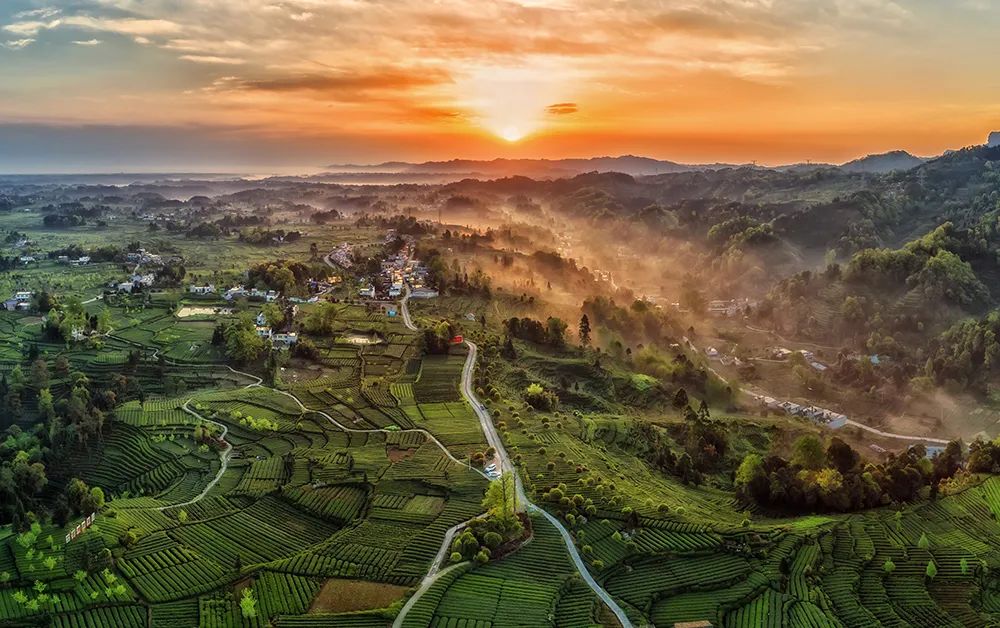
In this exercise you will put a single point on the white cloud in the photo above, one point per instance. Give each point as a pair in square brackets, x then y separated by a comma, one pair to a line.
[30, 28]
[18, 44]
[123, 26]
[213, 60]
[43, 13]
[88, 42]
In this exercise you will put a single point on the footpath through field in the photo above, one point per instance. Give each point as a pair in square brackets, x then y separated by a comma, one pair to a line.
[504, 464]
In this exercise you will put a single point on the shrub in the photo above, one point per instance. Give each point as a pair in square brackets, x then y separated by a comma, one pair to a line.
[248, 603]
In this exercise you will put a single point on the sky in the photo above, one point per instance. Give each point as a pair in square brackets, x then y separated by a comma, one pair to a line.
[294, 85]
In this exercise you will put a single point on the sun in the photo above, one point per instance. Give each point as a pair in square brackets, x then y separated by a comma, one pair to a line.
[511, 133]
[510, 103]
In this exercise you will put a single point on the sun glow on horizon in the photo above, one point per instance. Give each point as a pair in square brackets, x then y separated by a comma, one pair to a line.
[511, 133]
[511, 102]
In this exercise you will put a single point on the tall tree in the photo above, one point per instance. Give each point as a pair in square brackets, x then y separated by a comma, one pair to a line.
[585, 330]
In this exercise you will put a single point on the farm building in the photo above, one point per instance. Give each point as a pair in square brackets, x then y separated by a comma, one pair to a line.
[206, 289]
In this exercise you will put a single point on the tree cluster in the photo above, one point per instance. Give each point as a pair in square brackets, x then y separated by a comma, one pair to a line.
[833, 479]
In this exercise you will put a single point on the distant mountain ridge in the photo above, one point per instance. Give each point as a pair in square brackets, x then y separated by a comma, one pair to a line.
[885, 162]
[500, 167]
[633, 165]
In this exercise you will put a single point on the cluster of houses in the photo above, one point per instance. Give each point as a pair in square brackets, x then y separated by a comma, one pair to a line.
[83, 260]
[237, 292]
[730, 308]
[729, 360]
[822, 416]
[141, 256]
[341, 255]
[20, 300]
[284, 339]
[781, 353]
[397, 271]
[134, 282]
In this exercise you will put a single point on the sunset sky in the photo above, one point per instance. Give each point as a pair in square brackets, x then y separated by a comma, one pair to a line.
[188, 85]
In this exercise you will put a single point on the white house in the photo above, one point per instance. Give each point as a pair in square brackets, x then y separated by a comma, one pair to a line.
[423, 293]
[287, 339]
[261, 319]
[367, 292]
[23, 295]
[264, 331]
[234, 293]
[144, 280]
[206, 289]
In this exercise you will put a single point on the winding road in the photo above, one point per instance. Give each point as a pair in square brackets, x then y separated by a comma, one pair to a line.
[851, 422]
[226, 453]
[503, 464]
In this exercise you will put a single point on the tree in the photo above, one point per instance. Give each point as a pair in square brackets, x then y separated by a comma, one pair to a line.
[585, 330]
[888, 566]
[242, 342]
[46, 406]
[924, 542]
[750, 476]
[680, 399]
[40, 373]
[501, 502]
[321, 321]
[807, 452]
[691, 297]
[96, 498]
[248, 603]
[104, 321]
[841, 455]
[539, 398]
[556, 328]
[931, 569]
[964, 566]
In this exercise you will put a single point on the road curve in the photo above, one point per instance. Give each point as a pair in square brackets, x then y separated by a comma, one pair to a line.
[851, 422]
[503, 463]
[223, 457]
[494, 440]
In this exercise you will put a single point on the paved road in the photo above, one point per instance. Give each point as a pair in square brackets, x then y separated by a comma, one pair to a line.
[404, 306]
[867, 428]
[919, 439]
[224, 458]
[504, 462]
